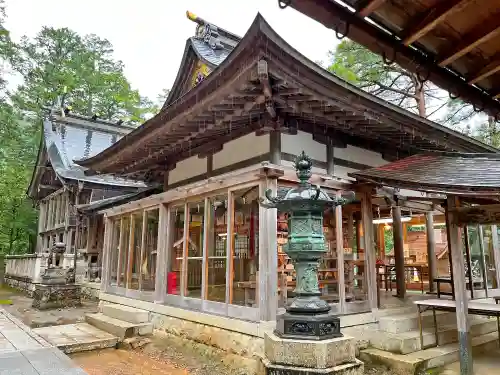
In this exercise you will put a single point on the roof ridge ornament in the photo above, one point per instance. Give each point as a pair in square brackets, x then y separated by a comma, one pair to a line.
[206, 31]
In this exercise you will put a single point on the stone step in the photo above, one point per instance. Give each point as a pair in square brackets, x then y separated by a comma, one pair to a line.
[409, 321]
[79, 337]
[417, 362]
[119, 328]
[125, 313]
[409, 342]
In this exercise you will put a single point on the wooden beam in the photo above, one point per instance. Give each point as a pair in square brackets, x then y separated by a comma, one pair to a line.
[432, 17]
[369, 7]
[461, 297]
[333, 15]
[490, 69]
[486, 31]
[485, 214]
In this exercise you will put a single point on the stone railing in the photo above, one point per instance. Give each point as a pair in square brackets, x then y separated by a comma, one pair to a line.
[22, 271]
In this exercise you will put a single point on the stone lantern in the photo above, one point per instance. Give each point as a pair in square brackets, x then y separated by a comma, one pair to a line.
[307, 316]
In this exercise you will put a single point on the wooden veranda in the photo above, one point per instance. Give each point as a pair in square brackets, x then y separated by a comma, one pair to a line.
[468, 186]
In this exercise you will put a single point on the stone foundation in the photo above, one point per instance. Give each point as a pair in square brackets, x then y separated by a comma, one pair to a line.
[22, 283]
[47, 297]
[90, 291]
[229, 341]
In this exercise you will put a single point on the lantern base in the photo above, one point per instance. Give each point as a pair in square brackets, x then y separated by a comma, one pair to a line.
[307, 327]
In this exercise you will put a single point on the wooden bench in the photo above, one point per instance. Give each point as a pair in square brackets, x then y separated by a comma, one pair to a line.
[474, 308]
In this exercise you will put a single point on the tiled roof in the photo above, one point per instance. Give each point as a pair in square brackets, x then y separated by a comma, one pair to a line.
[71, 138]
[439, 172]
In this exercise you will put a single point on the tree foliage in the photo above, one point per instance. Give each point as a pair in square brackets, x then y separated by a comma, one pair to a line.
[60, 63]
[56, 63]
[367, 70]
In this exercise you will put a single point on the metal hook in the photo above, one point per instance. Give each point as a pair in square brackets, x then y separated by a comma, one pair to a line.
[346, 31]
[478, 109]
[420, 79]
[284, 3]
[389, 62]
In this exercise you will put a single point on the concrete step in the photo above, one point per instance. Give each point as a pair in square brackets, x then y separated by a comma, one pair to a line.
[79, 337]
[125, 313]
[409, 321]
[409, 342]
[417, 362]
[119, 328]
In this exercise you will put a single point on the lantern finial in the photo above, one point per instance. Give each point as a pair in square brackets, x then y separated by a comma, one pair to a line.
[303, 166]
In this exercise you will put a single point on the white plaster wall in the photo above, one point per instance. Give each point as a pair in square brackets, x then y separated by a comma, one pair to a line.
[240, 149]
[302, 141]
[359, 155]
[187, 168]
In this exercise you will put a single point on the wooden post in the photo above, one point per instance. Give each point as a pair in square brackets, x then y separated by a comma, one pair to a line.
[162, 262]
[381, 241]
[339, 239]
[467, 258]
[496, 253]
[431, 250]
[370, 261]
[483, 259]
[330, 163]
[350, 231]
[268, 256]
[131, 249]
[230, 248]
[399, 255]
[275, 147]
[461, 300]
[106, 252]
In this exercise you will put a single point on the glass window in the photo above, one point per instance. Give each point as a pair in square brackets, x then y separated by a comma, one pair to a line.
[194, 244]
[217, 248]
[148, 262]
[244, 247]
[122, 265]
[133, 267]
[113, 256]
[176, 249]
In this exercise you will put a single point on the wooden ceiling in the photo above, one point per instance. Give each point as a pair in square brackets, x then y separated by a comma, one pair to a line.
[454, 43]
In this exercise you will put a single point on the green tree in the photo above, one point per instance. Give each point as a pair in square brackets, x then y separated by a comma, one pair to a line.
[60, 63]
[367, 70]
[18, 148]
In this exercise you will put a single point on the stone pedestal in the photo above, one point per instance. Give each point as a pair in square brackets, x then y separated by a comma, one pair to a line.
[309, 357]
[53, 296]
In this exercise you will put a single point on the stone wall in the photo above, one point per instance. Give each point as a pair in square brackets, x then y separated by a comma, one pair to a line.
[90, 291]
[24, 284]
[229, 341]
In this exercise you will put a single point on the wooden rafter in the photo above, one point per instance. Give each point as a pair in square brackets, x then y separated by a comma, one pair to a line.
[488, 70]
[486, 31]
[370, 6]
[432, 18]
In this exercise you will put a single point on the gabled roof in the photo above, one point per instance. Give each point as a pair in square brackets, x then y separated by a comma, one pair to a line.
[211, 45]
[232, 101]
[450, 173]
[66, 138]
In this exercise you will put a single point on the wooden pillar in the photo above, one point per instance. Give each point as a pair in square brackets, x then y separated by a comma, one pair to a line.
[461, 300]
[339, 239]
[483, 259]
[381, 241]
[275, 147]
[268, 256]
[431, 250]
[467, 259]
[496, 253]
[350, 230]
[164, 240]
[330, 162]
[106, 252]
[370, 261]
[399, 254]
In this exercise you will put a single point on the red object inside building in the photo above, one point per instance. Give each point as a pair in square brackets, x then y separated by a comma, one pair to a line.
[171, 282]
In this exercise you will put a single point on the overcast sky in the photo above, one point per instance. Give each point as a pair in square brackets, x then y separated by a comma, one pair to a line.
[149, 35]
